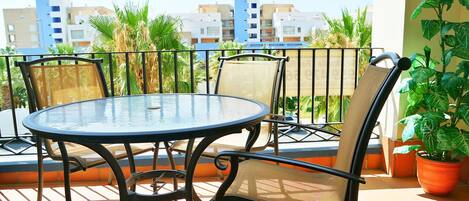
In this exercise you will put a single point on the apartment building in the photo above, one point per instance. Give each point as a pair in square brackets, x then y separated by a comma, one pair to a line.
[34, 30]
[247, 21]
[267, 13]
[201, 27]
[80, 33]
[296, 26]
[227, 18]
[20, 28]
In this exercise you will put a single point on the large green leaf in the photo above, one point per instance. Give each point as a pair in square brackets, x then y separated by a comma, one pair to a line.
[450, 40]
[462, 142]
[463, 113]
[462, 35]
[437, 100]
[448, 26]
[409, 129]
[430, 28]
[422, 74]
[405, 149]
[424, 4]
[406, 85]
[446, 136]
[463, 66]
[452, 84]
[465, 3]
[460, 52]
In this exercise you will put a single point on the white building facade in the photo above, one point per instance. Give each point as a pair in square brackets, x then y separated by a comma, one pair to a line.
[200, 27]
[295, 26]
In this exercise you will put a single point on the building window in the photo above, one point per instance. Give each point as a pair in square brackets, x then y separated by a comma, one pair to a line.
[57, 30]
[77, 34]
[253, 35]
[34, 38]
[11, 38]
[253, 25]
[299, 29]
[11, 27]
[254, 15]
[58, 40]
[202, 31]
[254, 5]
[56, 20]
[290, 30]
[55, 8]
[32, 28]
[213, 31]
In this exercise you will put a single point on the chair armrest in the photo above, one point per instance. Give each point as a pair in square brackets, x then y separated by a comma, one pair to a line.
[289, 161]
[276, 117]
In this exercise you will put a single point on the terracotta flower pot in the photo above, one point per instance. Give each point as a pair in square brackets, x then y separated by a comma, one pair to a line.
[436, 177]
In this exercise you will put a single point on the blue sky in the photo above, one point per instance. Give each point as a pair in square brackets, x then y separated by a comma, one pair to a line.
[330, 7]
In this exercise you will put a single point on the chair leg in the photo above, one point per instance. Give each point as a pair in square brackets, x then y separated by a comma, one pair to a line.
[40, 169]
[171, 161]
[66, 167]
[276, 148]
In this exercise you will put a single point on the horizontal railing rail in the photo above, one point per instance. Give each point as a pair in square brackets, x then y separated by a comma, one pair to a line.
[315, 89]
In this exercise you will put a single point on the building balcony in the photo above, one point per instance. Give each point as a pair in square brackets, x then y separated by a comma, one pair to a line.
[324, 77]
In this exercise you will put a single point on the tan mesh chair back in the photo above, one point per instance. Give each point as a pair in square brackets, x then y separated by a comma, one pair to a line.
[256, 80]
[361, 102]
[60, 84]
[49, 84]
[249, 79]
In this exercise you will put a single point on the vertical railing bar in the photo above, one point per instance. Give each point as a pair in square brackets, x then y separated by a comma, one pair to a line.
[41, 56]
[207, 72]
[298, 87]
[222, 53]
[76, 62]
[341, 106]
[160, 73]
[127, 72]
[191, 64]
[111, 74]
[144, 73]
[176, 81]
[327, 85]
[313, 74]
[238, 51]
[253, 58]
[284, 85]
[356, 68]
[12, 100]
[93, 56]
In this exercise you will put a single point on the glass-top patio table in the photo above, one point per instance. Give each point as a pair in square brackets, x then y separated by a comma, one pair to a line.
[146, 118]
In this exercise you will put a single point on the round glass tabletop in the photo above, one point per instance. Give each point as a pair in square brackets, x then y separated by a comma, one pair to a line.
[139, 118]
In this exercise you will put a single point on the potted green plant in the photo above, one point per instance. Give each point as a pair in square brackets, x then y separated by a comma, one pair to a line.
[438, 101]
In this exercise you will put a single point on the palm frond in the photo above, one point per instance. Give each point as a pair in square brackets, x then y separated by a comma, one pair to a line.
[105, 25]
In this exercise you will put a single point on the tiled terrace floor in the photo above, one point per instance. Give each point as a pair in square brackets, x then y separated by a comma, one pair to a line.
[379, 187]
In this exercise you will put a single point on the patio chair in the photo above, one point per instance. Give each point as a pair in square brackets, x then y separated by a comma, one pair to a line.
[258, 177]
[52, 81]
[253, 76]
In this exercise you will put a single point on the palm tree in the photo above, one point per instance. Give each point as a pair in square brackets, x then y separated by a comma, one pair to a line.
[345, 32]
[19, 91]
[131, 30]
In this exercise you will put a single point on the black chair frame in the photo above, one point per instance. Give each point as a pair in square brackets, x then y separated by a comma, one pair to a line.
[354, 176]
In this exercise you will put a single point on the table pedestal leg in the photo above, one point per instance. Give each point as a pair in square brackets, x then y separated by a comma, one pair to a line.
[190, 194]
[112, 162]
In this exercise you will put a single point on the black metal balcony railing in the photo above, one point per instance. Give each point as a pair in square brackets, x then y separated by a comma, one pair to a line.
[300, 88]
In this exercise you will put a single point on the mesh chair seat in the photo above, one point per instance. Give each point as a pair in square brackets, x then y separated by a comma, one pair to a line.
[258, 180]
[89, 158]
[233, 142]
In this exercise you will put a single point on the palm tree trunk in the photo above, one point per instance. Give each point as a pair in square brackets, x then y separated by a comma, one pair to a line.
[6, 101]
